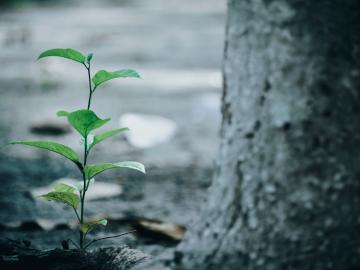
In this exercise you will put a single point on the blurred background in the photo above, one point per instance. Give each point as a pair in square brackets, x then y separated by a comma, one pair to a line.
[173, 113]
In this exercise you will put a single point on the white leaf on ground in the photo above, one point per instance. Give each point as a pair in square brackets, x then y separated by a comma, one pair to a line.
[147, 130]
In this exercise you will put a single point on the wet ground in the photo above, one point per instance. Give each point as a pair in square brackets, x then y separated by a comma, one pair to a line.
[176, 48]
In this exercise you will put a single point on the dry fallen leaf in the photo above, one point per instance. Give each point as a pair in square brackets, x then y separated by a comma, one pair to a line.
[158, 229]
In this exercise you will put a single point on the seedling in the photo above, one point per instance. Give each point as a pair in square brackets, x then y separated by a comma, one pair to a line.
[84, 121]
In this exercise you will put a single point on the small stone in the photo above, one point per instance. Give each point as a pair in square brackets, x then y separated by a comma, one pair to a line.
[50, 128]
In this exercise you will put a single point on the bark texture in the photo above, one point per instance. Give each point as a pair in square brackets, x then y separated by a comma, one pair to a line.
[286, 194]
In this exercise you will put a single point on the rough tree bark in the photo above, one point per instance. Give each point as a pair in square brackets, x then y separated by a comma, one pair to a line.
[286, 194]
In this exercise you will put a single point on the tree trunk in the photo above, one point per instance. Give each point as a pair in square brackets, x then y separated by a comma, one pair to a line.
[286, 194]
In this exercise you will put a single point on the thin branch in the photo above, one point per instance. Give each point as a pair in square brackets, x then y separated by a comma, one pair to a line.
[70, 240]
[87, 184]
[77, 215]
[108, 237]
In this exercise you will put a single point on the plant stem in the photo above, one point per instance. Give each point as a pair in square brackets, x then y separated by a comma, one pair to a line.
[108, 237]
[76, 213]
[70, 240]
[83, 193]
[90, 89]
[89, 101]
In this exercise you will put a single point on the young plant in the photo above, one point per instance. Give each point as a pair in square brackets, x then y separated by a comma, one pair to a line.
[84, 121]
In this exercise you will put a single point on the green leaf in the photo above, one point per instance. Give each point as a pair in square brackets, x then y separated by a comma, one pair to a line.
[60, 187]
[103, 136]
[84, 121]
[68, 198]
[92, 170]
[66, 53]
[62, 113]
[53, 147]
[80, 185]
[86, 227]
[102, 75]
[89, 57]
